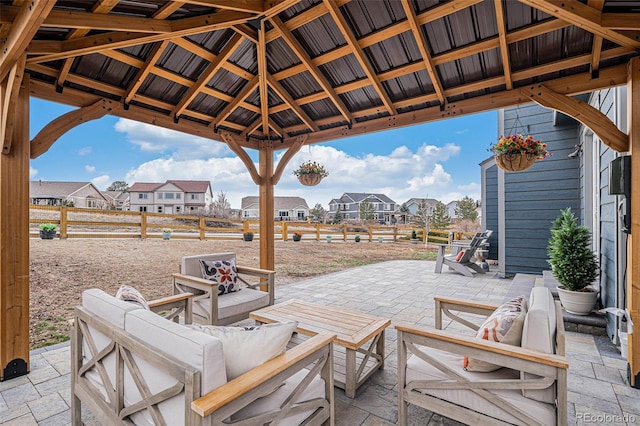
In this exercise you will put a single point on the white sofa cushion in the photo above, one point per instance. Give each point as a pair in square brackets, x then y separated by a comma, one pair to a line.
[230, 304]
[418, 369]
[247, 347]
[503, 325]
[198, 350]
[539, 334]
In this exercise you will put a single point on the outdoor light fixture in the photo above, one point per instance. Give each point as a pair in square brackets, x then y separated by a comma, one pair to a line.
[576, 152]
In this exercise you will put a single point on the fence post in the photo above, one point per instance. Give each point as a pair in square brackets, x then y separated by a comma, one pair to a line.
[344, 232]
[202, 224]
[143, 225]
[395, 234]
[285, 233]
[63, 223]
[370, 233]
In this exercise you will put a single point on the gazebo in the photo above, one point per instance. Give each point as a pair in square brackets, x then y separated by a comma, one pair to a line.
[280, 74]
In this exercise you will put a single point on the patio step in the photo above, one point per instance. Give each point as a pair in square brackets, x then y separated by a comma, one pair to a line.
[593, 323]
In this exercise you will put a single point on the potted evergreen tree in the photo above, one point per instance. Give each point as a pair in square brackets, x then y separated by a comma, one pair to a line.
[573, 263]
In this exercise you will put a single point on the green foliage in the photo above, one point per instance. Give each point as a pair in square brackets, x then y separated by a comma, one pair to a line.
[338, 217]
[67, 203]
[367, 210]
[440, 219]
[118, 185]
[404, 208]
[414, 235]
[467, 209]
[48, 227]
[572, 261]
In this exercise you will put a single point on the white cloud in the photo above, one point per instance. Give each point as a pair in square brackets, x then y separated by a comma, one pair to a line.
[84, 151]
[401, 175]
[182, 146]
[101, 182]
[32, 172]
[90, 169]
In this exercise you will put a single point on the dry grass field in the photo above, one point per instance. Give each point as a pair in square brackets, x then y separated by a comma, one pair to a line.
[61, 269]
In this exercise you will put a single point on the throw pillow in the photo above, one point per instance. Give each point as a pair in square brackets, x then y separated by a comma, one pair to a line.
[130, 294]
[224, 272]
[503, 325]
[248, 347]
[459, 256]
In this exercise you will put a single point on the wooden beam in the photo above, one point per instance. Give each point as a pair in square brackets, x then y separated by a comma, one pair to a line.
[292, 103]
[145, 69]
[620, 21]
[504, 46]
[14, 240]
[581, 111]
[116, 40]
[61, 125]
[250, 6]
[9, 91]
[633, 268]
[297, 48]
[234, 146]
[262, 79]
[267, 227]
[208, 74]
[584, 17]
[362, 59]
[231, 106]
[287, 156]
[421, 41]
[23, 28]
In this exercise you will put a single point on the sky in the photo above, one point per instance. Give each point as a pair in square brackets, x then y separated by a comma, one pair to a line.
[434, 160]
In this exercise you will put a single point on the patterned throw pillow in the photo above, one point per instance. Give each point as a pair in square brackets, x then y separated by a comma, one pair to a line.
[247, 347]
[130, 294]
[504, 325]
[224, 272]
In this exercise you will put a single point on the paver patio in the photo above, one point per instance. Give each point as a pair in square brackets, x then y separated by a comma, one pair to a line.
[400, 290]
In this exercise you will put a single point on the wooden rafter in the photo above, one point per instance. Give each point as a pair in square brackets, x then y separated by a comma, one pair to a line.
[208, 74]
[58, 127]
[618, 21]
[421, 41]
[581, 111]
[145, 70]
[23, 27]
[360, 56]
[262, 80]
[279, 130]
[250, 6]
[294, 44]
[118, 40]
[292, 103]
[504, 46]
[596, 49]
[585, 17]
[231, 106]
[9, 91]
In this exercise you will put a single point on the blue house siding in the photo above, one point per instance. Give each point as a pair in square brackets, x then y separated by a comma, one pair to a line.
[530, 209]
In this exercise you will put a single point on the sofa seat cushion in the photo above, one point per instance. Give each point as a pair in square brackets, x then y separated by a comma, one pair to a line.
[230, 304]
[198, 350]
[417, 369]
[275, 399]
[539, 334]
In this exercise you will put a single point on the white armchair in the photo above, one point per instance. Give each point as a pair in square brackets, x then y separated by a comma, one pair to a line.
[210, 307]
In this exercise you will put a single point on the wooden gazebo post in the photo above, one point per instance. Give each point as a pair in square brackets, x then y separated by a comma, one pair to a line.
[14, 228]
[267, 239]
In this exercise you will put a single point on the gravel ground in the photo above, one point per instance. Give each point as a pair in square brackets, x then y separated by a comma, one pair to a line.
[61, 270]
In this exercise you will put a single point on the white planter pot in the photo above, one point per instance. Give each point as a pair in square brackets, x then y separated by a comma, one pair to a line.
[578, 302]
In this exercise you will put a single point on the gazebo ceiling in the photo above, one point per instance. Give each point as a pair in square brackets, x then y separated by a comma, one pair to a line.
[273, 70]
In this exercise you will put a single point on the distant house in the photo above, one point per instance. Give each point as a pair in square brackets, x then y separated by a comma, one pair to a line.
[117, 200]
[78, 194]
[285, 208]
[171, 197]
[413, 205]
[451, 209]
[349, 205]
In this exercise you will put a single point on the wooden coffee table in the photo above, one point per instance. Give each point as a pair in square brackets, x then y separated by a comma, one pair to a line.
[353, 363]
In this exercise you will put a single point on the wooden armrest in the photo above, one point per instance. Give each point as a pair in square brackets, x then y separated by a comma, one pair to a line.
[465, 303]
[156, 303]
[194, 280]
[237, 387]
[486, 345]
[254, 271]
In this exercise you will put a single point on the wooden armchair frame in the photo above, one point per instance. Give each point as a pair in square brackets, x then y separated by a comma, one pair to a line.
[214, 408]
[208, 289]
[549, 368]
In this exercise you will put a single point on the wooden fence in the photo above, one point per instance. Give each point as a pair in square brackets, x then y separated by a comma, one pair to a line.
[76, 222]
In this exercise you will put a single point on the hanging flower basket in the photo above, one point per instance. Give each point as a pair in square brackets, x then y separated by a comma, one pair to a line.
[310, 173]
[515, 153]
[515, 161]
[310, 179]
